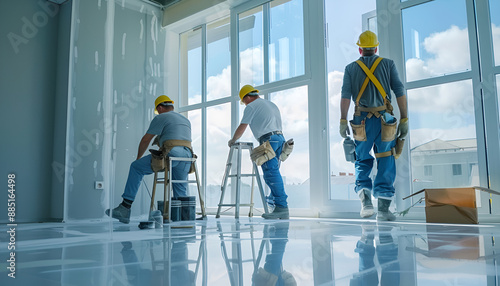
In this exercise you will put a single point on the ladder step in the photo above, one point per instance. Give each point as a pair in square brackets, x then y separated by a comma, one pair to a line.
[158, 181]
[243, 175]
[233, 205]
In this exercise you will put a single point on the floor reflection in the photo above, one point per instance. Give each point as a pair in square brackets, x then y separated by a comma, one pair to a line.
[253, 251]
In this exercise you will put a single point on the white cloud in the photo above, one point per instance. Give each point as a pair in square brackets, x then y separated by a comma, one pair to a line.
[252, 66]
[219, 86]
[451, 97]
[449, 53]
[496, 43]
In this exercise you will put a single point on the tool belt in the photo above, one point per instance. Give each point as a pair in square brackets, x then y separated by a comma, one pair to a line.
[263, 153]
[159, 158]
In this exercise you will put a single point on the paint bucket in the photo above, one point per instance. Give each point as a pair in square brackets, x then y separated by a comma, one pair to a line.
[176, 210]
[188, 208]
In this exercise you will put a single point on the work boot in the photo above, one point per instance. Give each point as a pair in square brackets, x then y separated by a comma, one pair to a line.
[366, 203]
[384, 214]
[121, 213]
[278, 213]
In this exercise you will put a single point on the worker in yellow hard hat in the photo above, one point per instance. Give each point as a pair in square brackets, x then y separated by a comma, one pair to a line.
[264, 119]
[368, 83]
[173, 132]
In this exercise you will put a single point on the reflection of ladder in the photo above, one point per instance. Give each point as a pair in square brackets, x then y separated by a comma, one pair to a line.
[255, 174]
[234, 258]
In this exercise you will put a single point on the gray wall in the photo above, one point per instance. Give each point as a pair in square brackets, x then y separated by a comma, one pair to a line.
[116, 72]
[29, 31]
[77, 90]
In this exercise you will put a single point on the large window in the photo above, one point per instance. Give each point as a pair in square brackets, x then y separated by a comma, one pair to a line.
[190, 57]
[218, 60]
[439, 45]
[295, 170]
[342, 50]
[286, 46]
[271, 50]
[495, 27]
[251, 53]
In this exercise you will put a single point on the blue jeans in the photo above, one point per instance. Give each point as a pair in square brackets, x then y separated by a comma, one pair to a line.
[271, 170]
[142, 167]
[383, 187]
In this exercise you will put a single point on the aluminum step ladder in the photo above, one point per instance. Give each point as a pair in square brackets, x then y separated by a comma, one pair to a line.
[238, 147]
[168, 189]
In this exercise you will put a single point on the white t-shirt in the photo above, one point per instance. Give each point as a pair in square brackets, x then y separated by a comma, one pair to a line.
[263, 116]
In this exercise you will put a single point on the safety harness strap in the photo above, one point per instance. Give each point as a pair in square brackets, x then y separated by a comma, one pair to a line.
[391, 152]
[370, 76]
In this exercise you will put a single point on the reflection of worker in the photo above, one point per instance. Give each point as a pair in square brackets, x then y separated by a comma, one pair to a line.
[264, 119]
[387, 256]
[273, 273]
[368, 82]
[174, 133]
[179, 271]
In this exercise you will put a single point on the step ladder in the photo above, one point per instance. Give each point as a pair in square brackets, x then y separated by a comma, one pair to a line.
[167, 187]
[238, 147]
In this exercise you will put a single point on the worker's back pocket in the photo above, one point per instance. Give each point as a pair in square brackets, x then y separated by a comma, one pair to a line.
[358, 131]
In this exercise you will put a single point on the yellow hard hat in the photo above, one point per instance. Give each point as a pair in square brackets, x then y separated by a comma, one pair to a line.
[246, 89]
[162, 99]
[367, 39]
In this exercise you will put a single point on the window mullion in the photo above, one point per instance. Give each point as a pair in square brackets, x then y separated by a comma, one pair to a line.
[266, 34]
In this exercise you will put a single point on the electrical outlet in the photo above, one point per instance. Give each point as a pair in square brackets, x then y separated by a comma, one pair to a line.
[98, 185]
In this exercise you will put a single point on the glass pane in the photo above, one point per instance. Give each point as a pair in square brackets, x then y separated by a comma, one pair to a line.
[218, 60]
[495, 27]
[437, 45]
[498, 92]
[295, 118]
[443, 136]
[195, 117]
[342, 50]
[251, 53]
[218, 133]
[190, 66]
[286, 47]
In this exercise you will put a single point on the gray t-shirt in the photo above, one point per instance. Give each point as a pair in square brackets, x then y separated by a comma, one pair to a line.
[170, 125]
[263, 116]
[385, 72]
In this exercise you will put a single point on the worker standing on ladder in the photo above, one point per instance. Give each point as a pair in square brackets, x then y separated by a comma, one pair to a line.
[264, 119]
[368, 82]
[174, 135]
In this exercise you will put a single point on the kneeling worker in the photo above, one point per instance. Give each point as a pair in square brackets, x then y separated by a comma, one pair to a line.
[264, 119]
[174, 133]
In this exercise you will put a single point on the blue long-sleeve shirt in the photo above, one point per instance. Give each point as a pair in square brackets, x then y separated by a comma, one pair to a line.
[385, 72]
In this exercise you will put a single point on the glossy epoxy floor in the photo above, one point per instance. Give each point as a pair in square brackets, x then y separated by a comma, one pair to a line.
[253, 251]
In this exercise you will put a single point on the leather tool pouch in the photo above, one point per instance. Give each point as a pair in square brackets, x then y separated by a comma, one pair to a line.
[157, 160]
[263, 153]
[358, 131]
[389, 130]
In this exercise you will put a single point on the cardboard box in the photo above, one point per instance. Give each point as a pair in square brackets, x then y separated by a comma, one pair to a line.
[452, 205]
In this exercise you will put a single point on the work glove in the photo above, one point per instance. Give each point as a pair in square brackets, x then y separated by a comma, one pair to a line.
[344, 129]
[403, 128]
[230, 142]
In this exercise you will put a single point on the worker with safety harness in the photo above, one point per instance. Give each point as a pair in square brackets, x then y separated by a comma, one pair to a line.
[368, 82]
[173, 132]
[264, 119]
